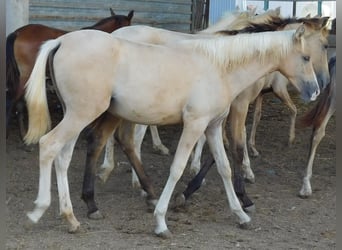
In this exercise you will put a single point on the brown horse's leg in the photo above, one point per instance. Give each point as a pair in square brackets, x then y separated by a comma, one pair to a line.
[99, 131]
[237, 119]
[125, 138]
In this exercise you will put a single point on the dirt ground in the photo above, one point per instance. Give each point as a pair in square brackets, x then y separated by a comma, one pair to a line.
[282, 220]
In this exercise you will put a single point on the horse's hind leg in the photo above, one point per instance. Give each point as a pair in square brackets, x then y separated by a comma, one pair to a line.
[316, 137]
[196, 157]
[256, 120]
[62, 162]
[108, 162]
[100, 130]
[157, 144]
[139, 134]
[49, 146]
[237, 118]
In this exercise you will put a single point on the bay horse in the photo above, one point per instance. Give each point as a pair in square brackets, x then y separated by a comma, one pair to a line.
[318, 118]
[22, 47]
[196, 93]
[238, 109]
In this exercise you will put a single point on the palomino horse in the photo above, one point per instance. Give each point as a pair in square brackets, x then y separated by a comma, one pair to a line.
[22, 48]
[318, 118]
[238, 109]
[140, 33]
[196, 93]
[237, 20]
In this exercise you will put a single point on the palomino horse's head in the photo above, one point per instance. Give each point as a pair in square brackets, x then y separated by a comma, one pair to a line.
[316, 33]
[297, 65]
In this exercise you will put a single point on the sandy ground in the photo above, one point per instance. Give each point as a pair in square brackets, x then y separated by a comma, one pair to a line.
[282, 220]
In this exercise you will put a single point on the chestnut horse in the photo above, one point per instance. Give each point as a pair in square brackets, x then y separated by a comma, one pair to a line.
[196, 92]
[318, 118]
[22, 47]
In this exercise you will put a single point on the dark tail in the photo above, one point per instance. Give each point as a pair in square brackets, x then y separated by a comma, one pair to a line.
[12, 71]
[12, 75]
[315, 116]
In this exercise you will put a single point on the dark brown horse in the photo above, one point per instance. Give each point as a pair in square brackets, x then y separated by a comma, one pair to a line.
[22, 48]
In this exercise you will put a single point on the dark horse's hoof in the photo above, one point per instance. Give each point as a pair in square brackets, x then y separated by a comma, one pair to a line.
[95, 215]
[249, 209]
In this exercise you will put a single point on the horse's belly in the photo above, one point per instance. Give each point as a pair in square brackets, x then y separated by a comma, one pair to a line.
[146, 114]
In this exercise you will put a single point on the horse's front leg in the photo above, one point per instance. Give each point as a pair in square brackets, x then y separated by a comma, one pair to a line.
[192, 130]
[125, 137]
[101, 129]
[215, 141]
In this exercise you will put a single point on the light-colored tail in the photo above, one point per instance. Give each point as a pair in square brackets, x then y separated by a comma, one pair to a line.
[36, 100]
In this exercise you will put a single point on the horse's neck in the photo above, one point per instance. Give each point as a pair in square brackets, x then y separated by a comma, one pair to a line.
[245, 76]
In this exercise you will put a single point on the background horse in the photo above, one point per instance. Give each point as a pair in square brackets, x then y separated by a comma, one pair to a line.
[196, 92]
[318, 118]
[22, 47]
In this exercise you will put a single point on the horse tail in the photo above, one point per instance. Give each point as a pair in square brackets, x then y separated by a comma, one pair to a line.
[12, 74]
[316, 115]
[36, 99]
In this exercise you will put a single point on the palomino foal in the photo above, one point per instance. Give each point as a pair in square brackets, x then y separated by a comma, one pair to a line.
[197, 92]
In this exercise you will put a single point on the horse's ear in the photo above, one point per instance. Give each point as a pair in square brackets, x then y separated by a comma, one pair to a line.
[308, 15]
[112, 12]
[130, 14]
[299, 32]
[278, 11]
[325, 21]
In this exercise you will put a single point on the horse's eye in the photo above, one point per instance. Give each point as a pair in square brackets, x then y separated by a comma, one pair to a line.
[306, 58]
[325, 46]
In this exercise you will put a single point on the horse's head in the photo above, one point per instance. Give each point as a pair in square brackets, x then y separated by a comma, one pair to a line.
[109, 24]
[316, 33]
[297, 66]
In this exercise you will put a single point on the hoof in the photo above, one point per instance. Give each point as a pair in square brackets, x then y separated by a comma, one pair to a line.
[164, 235]
[304, 196]
[28, 225]
[245, 225]
[95, 215]
[74, 229]
[249, 209]
[179, 200]
[250, 180]
[103, 177]
[161, 149]
[151, 205]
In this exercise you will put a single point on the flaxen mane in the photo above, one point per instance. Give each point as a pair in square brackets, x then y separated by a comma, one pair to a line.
[227, 52]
